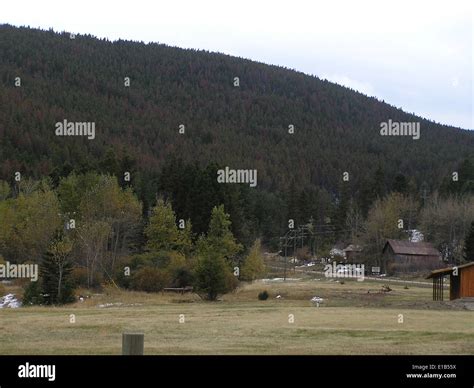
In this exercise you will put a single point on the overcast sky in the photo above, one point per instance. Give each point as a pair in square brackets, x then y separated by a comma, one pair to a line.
[416, 55]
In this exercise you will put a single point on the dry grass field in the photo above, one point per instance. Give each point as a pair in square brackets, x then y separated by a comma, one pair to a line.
[350, 321]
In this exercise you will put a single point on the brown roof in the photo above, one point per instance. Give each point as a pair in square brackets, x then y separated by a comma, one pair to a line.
[412, 248]
[445, 271]
[353, 248]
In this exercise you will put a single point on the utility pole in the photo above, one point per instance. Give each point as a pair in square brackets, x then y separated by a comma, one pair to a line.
[295, 234]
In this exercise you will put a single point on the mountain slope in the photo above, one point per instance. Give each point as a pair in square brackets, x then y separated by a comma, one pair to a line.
[336, 129]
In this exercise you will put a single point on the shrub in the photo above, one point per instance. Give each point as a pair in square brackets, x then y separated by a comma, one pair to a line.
[33, 294]
[178, 270]
[79, 278]
[263, 295]
[149, 279]
[181, 277]
[121, 279]
[157, 259]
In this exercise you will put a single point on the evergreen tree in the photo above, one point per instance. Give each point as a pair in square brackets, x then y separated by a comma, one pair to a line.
[371, 189]
[184, 241]
[162, 232]
[214, 277]
[216, 251]
[33, 294]
[378, 183]
[400, 184]
[56, 270]
[109, 164]
[342, 207]
[220, 242]
[469, 244]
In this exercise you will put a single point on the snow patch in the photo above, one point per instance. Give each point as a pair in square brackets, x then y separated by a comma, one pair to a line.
[414, 235]
[280, 280]
[9, 301]
[105, 305]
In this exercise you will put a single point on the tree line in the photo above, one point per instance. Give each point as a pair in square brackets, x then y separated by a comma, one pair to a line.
[87, 230]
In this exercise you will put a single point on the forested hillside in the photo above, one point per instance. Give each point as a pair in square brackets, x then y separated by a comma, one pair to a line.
[137, 130]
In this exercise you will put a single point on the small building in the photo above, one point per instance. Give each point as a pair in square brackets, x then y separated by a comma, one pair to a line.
[405, 256]
[336, 253]
[352, 252]
[461, 280]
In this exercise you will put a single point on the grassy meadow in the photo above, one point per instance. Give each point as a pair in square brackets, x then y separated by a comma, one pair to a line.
[350, 321]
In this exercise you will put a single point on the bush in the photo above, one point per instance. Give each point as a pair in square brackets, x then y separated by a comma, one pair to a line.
[149, 279]
[158, 259]
[178, 270]
[121, 279]
[79, 278]
[33, 294]
[181, 277]
[263, 295]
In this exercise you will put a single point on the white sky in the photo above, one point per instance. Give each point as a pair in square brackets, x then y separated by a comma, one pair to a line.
[413, 54]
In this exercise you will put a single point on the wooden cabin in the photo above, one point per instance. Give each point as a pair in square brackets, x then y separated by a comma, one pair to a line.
[352, 253]
[408, 257]
[461, 280]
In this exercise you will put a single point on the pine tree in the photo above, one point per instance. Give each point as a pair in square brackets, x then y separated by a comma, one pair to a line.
[56, 270]
[469, 244]
[214, 277]
[342, 209]
[466, 176]
[184, 241]
[220, 242]
[214, 274]
[400, 184]
[162, 232]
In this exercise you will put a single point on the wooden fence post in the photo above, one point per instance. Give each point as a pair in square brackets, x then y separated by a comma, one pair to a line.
[132, 344]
